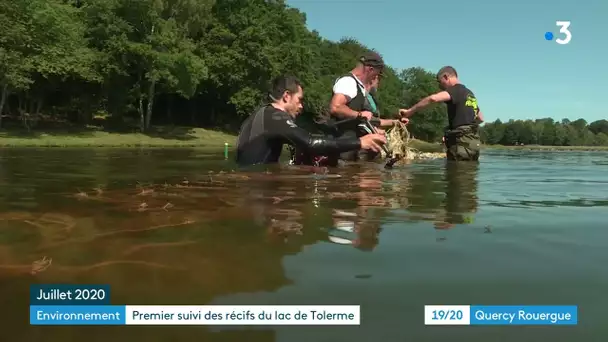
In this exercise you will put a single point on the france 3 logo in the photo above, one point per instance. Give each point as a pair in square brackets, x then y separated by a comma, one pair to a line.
[564, 29]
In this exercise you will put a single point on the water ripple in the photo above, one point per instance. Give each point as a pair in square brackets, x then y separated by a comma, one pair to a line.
[178, 227]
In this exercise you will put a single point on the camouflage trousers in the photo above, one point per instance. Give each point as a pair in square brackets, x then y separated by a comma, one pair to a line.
[463, 143]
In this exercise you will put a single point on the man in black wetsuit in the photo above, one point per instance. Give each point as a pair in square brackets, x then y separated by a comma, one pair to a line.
[464, 116]
[264, 133]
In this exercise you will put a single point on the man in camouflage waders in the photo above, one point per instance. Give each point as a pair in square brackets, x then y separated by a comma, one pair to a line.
[464, 116]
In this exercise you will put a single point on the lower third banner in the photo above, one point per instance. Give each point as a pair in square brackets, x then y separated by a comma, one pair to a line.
[500, 315]
[195, 315]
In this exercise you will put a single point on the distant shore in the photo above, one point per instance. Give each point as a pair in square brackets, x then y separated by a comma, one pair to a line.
[175, 137]
[158, 137]
[547, 148]
[161, 137]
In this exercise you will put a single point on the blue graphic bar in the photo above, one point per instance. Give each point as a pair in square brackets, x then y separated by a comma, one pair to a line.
[64, 294]
[524, 315]
[77, 315]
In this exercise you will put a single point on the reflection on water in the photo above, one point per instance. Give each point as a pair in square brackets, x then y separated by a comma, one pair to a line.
[182, 227]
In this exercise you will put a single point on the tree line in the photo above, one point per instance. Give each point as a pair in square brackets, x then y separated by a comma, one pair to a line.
[205, 63]
[546, 132]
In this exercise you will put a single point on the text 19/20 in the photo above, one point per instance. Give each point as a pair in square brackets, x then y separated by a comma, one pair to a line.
[447, 315]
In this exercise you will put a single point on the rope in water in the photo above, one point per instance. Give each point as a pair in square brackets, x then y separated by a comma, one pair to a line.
[398, 140]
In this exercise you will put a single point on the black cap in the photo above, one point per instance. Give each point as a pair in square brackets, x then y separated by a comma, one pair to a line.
[372, 59]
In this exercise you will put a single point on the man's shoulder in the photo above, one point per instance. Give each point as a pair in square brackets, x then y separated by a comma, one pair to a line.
[346, 79]
[348, 75]
[459, 90]
[275, 114]
[346, 85]
[268, 111]
[462, 87]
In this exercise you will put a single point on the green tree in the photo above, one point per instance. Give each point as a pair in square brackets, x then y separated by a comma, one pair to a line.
[560, 135]
[157, 39]
[429, 123]
[43, 49]
[204, 63]
[601, 139]
[492, 132]
[548, 131]
[14, 45]
[599, 126]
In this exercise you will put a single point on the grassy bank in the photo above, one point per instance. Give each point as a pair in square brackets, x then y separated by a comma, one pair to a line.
[548, 148]
[157, 137]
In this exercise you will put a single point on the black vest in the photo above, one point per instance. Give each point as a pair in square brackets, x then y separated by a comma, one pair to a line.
[358, 102]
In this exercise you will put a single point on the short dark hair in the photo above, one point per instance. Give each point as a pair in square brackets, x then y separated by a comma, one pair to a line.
[447, 70]
[284, 83]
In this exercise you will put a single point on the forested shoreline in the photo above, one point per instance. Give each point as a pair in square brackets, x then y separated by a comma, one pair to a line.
[199, 63]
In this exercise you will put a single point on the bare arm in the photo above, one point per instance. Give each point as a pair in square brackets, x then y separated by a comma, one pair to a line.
[338, 107]
[345, 90]
[388, 122]
[442, 96]
[377, 122]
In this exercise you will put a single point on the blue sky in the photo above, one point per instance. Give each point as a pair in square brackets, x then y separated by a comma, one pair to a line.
[498, 48]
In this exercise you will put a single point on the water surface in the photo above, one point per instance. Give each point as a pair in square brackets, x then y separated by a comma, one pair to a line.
[181, 227]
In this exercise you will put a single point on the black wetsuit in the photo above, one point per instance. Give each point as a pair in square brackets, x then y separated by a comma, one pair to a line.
[264, 133]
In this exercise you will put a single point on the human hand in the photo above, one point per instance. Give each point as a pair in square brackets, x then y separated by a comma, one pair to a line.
[405, 112]
[373, 142]
[367, 114]
[380, 131]
[404, 120]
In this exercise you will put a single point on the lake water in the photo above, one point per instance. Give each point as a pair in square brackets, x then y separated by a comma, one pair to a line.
[179, 227]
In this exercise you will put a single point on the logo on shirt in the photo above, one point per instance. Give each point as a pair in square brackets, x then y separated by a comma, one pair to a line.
[472, 102]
